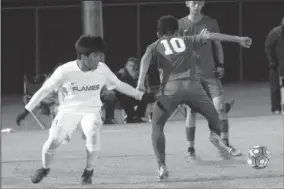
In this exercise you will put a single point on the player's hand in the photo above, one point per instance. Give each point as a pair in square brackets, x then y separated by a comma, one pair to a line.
[141, 88]
[273, 66]
[245, 42]
[220, 71]
[149, 97]
[21, 117]
[204, 34]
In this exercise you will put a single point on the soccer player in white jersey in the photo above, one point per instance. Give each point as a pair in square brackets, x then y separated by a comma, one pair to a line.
[82, 80]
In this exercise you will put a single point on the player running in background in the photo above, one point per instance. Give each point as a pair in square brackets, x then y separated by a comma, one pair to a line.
[209, 61]
[174, 55]
[83, 80]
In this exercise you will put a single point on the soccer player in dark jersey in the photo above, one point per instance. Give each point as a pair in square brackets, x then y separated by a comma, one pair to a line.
[174, 56]
[209, 62]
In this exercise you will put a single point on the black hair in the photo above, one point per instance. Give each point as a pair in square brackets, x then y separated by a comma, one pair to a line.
[167, 25]
[133, 59]
[87, 44]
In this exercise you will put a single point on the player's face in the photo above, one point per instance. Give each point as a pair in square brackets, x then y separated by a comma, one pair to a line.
[92, 60]
[195, 7]
[131, 67]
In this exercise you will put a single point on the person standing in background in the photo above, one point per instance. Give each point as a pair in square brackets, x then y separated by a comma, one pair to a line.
[274, 50]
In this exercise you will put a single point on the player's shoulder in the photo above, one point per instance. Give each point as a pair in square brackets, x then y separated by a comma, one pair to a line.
[103, 67]
[67, 67]
[152, 46]
[209, 19]
[183, 20]
[276, 29]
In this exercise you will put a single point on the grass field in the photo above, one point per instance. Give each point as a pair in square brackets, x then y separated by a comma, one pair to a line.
[127, 161]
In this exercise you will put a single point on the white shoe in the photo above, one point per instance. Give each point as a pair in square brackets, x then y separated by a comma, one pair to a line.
[276, 112]
[163, 172]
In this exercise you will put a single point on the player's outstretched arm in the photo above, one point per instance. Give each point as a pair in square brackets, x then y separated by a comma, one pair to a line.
[52, 83]
[243, 41]
[144, 66]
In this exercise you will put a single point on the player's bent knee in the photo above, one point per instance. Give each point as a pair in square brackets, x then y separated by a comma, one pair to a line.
[50, 146]
[57, 135]
[222, 113]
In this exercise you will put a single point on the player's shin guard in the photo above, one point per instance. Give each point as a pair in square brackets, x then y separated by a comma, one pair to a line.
[92, 149]
[92, 155]
[91, 159]
[190, 128]
[282, 93]
[190, 136]
[224, 128]
[49, 151]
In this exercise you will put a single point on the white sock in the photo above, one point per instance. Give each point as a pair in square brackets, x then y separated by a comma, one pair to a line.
[91, 160]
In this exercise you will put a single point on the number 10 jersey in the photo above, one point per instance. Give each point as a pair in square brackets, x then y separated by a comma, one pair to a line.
[174, 56]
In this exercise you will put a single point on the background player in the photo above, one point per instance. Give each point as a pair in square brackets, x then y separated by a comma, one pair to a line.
[173, 55]
[274, 48]
[83, 80]
[209, 60]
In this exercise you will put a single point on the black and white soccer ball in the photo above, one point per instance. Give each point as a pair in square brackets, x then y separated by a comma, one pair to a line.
[258, 157]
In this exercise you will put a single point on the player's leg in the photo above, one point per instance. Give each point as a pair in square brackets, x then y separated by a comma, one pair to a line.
[198, 100]
[57, 134]
[190, 125]
[282, 93]
[190, 128]
[275, 92]
[161, 113]
[91, 124]
[216, 91]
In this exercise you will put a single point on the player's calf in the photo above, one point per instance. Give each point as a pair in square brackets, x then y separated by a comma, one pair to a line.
[39, 175]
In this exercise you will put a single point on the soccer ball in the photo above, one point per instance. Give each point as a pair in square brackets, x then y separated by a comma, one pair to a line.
[258, 157]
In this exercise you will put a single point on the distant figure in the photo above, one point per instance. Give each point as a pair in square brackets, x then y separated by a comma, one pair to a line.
[134, 109]
[274, 50]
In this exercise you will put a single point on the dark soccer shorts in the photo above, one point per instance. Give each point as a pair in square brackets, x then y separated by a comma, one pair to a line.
[186, 92]
[213, 87]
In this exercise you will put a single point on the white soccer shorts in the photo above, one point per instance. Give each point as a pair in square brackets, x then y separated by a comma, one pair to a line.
[69, 122]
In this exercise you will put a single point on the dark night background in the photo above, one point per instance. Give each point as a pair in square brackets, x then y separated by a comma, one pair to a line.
[59, 28]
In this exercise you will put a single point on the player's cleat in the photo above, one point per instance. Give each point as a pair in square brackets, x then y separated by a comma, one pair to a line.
[229, 105]
[234, 151]
[191, 154]
[87, 177]
[276, 112]
[223, 149]
[39, 175]
[163, 172]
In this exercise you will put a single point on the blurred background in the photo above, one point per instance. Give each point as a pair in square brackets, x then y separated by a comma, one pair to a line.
[37, 35]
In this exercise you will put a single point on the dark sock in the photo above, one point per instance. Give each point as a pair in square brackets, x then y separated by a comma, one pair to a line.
[225, 131]
[190, 136]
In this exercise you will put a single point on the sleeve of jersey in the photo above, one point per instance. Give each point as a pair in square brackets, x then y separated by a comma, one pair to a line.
[195, 39]
[112, 81]
[180, 28]
[54, 82]
[150, 49]
[215, 27]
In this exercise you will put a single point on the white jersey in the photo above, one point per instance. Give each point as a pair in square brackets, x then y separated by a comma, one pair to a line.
[81, 89]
